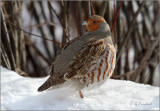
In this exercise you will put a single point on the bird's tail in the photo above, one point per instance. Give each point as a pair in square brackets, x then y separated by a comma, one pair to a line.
[49, 83]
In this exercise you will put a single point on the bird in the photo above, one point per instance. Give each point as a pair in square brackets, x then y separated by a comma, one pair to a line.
[88, 60]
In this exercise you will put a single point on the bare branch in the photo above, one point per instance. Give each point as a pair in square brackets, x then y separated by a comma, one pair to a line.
[126, 37]
[145, 58]
[103, 8]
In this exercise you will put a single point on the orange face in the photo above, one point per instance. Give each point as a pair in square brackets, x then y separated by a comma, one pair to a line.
[93, 24]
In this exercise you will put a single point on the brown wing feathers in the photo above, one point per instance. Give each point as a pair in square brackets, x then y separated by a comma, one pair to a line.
[83, 60]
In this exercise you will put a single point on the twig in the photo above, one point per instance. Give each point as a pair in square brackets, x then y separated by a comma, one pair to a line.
[59, 18]
[119, 30]
[126, 37]
[76, 18]
[41, 24]
[103, 8]
[4, 57]
[22, 50]
[30, 55]
[52, 30]
[81, 31]
[29, 43]
[93, 12]
[42, 29]
[65, 22]
[6, 40]
[115, 19]
[33, 34]
[124, 75]
[89, 9]
[145, 79]
[145, 58]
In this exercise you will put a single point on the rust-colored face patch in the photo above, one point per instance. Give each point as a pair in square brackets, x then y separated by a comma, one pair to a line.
[93, 24]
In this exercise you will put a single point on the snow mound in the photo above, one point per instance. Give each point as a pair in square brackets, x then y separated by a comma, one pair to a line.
[20, 93]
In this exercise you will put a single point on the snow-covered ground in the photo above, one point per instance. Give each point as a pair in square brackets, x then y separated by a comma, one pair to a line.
[20, 93]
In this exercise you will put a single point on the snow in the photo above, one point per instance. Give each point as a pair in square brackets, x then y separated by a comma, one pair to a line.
[20, 93]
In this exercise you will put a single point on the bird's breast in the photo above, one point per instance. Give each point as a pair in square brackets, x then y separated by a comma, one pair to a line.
[101, 69]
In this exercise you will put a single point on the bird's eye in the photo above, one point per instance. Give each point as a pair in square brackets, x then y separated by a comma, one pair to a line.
[94, 21]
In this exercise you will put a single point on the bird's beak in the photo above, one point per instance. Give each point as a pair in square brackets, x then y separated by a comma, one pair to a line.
[85, 23]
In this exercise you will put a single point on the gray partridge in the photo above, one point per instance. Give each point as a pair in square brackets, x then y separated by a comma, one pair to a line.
[86, 61]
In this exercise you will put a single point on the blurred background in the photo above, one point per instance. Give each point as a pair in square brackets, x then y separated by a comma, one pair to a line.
[33, 32]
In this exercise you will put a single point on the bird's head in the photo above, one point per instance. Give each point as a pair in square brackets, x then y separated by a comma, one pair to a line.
[96, 23]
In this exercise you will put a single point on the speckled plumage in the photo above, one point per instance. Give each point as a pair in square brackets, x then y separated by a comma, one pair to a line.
[83, 56]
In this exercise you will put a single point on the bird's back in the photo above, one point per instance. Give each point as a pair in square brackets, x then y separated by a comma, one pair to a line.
[61, 64]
